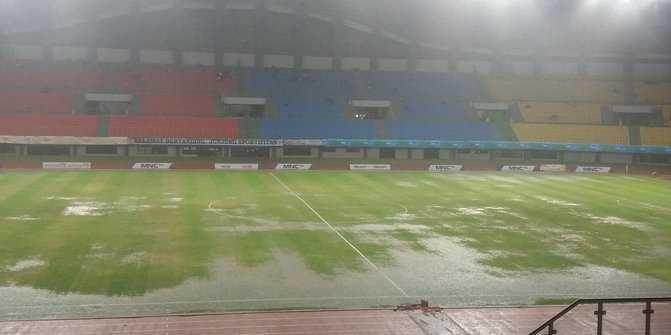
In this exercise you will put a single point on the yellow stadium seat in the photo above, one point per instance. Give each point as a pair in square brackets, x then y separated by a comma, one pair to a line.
[656, 136]
[556, 90]
[560, 112]
[666, 115]
[582, 134]
[653, 93]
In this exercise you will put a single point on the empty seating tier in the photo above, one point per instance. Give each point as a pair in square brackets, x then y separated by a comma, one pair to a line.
[187, 127]
[186, 105]
[35, 102]
[560, 112]
[318, 129]
[656, 136]
[653, 93]
[582, 134]
[43, 125]
[556, 90]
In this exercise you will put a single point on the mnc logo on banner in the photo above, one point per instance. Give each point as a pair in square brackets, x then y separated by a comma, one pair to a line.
[152, 166]
[445, 168]
[250, 166]
[592, 169]
[370, 167]
[553, 168]
[519, 168]
[67, 165]
[289, 166]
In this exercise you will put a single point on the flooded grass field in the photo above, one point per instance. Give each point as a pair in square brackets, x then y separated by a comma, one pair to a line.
[76, 244]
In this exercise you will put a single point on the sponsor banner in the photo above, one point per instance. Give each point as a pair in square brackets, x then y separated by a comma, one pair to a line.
[152, 166]
[370, 167]
[292, 166]
[249, 166]
[445, 168]
[208, 142]
[553, 168]
[67, 165]
[592, 169]
[518, 168]
[64, 140]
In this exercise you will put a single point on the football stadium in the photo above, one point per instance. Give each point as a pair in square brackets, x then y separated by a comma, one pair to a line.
[335, 167]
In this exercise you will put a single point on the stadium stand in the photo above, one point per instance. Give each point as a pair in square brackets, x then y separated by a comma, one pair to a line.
[583, 134]
[175, 126]
[656, 136]
[552, 90]
[35, 102]
[666, 115]
[442, 131]
[58, 76]
[318, 129]
[560, 112]
[185, 105]
[653, 93]
[47, 125]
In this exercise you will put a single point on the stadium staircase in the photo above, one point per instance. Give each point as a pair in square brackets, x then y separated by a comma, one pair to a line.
[103, 126]
[549, 327]
[635, 135]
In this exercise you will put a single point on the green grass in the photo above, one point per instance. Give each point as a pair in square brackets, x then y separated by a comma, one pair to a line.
[147, 231]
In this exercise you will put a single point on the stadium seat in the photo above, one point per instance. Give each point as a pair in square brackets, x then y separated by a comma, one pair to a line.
[175, 126]
[656, 136]
[556, 90]
[185, 105]
[35, 102]
[43, 125]
[653, 93]
[582, 134]
[560, 112]
[456, 131]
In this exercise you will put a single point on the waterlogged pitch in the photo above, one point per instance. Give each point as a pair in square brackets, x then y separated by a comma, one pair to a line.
[127, 243]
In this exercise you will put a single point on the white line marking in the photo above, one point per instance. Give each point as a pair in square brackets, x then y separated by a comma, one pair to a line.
[372, 265]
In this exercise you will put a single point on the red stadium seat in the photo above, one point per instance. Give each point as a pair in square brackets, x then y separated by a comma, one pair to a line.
[188, 127]
[192, 105]
[42, 125]
[33, 102]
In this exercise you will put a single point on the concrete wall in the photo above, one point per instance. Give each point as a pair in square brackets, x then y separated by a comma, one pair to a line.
[481, 67]
[156, 57]
[616, 158]
[317, 63]
[198, 58]
[243, 59]
[579, 157]
[80, 150]
[473, 156]
[314, 153]
[651, 71]
[355, 63]
[342, 153]
[172, 151]
[605, 70]
[560, 69]
[373, 153]
[278, 61]
[445, 154]
[70, 53]
[402, 154]
[522, 68]
[417, 154]
[27, 52]
[432, 65]
[106, 55]
[392, 64]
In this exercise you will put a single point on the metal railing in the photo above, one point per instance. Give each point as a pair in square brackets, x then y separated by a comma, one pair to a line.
[600, 312]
